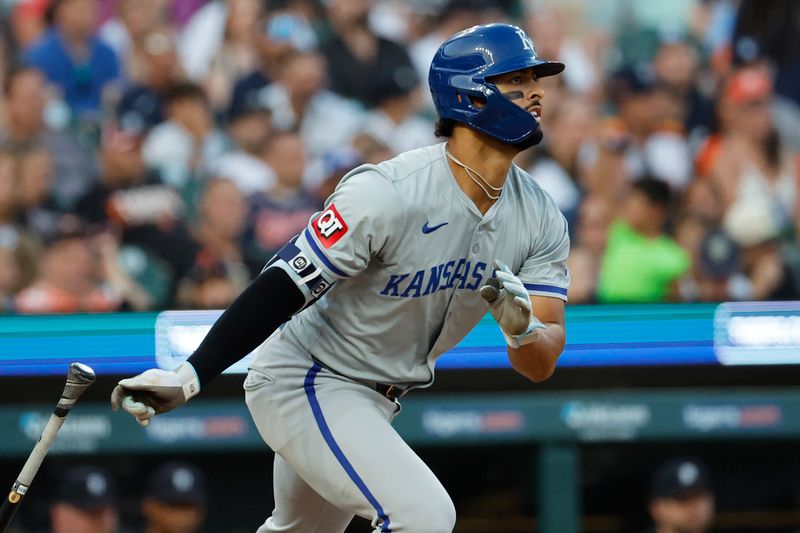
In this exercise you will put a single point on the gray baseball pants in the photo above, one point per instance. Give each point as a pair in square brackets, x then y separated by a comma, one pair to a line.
[337, 454]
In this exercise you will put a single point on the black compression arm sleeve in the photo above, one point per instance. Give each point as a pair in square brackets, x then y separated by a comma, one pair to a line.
[267, 303]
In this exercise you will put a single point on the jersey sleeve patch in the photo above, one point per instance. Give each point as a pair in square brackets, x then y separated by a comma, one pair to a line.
[329, 226]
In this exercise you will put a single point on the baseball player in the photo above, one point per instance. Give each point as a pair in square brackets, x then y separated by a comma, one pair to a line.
[400, 265]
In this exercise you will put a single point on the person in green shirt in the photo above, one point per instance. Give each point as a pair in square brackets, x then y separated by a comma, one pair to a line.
[641, 263]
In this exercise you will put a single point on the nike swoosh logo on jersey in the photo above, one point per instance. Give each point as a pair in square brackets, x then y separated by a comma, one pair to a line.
[426, 229]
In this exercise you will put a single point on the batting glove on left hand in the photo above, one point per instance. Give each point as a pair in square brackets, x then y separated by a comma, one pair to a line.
[155, 391]
[510, 306]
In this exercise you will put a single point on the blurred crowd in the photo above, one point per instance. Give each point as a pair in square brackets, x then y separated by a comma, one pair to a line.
[155, 153]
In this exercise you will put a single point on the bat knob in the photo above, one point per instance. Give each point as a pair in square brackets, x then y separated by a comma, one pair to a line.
[81, 373]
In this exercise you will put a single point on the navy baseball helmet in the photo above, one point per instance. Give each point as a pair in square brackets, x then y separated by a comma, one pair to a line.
[460, 70]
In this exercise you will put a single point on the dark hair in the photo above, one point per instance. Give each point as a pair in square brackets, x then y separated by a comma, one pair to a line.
[444, 127]
[655, 190]
[184, 91]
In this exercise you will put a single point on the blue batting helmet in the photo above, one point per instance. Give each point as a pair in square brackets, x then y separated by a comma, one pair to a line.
[460, 70]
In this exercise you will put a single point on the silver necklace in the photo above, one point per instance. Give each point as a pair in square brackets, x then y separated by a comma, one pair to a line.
[474, 175]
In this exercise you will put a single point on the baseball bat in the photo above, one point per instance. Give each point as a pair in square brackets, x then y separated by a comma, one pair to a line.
[79, 378]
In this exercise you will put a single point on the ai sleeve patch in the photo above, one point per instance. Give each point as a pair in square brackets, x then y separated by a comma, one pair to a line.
[329, 226]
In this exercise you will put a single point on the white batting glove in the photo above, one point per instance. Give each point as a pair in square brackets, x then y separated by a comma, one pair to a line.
[155, 391]
[510, 306]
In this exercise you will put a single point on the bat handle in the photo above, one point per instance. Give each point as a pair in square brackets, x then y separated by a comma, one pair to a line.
[10, 505]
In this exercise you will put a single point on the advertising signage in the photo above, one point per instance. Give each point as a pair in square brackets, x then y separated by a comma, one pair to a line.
[743, 333]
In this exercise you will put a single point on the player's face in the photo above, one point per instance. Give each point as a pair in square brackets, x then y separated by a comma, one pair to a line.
[173, 518]
[68, 519]
[693, 515]
[522, 87]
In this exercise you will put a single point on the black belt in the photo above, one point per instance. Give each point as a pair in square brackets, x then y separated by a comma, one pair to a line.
[393, 392]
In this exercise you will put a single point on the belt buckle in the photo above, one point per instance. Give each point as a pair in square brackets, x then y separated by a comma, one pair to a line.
[389, 392]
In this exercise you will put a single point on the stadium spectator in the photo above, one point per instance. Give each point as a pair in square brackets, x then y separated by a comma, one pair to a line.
[85, 502]
[221, 221]
[288, 29]
[184, 148]
[142, 104]
[772, 266]
[219, 46]
[249, 127]
[676, 67]
[210, 284]
[586, 254]
[715, 274]
[703, 199]
[148, 215]
[219, 272]
[556, 164]
[176, 499]
[246, 90]
[362, 64]
[394, 120]
[769, 28]
[28, 21]
[72, 276]
[73, 58]
[747, 162]
[126, 32]
[681, 498]
[606, 174]
[26, 104]
[641, 263]
[18, 253]
[547, 25]
[282, 212]
[646, 111]
[36, 207]
[299, 101]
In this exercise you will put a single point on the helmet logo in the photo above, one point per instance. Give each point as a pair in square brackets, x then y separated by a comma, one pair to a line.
[527, 44]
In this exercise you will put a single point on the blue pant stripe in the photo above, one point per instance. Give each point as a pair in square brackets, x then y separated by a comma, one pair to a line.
[308, 385]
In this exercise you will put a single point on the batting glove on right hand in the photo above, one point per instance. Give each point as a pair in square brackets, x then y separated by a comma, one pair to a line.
[155, 391]
[510, 306]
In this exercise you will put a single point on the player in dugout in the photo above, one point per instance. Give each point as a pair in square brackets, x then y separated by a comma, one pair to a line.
[403, 261]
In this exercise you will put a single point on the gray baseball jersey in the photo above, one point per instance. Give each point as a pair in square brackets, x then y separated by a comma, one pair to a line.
[408, 250]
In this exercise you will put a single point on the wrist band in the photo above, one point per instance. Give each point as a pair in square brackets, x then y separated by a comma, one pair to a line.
[188, 379]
